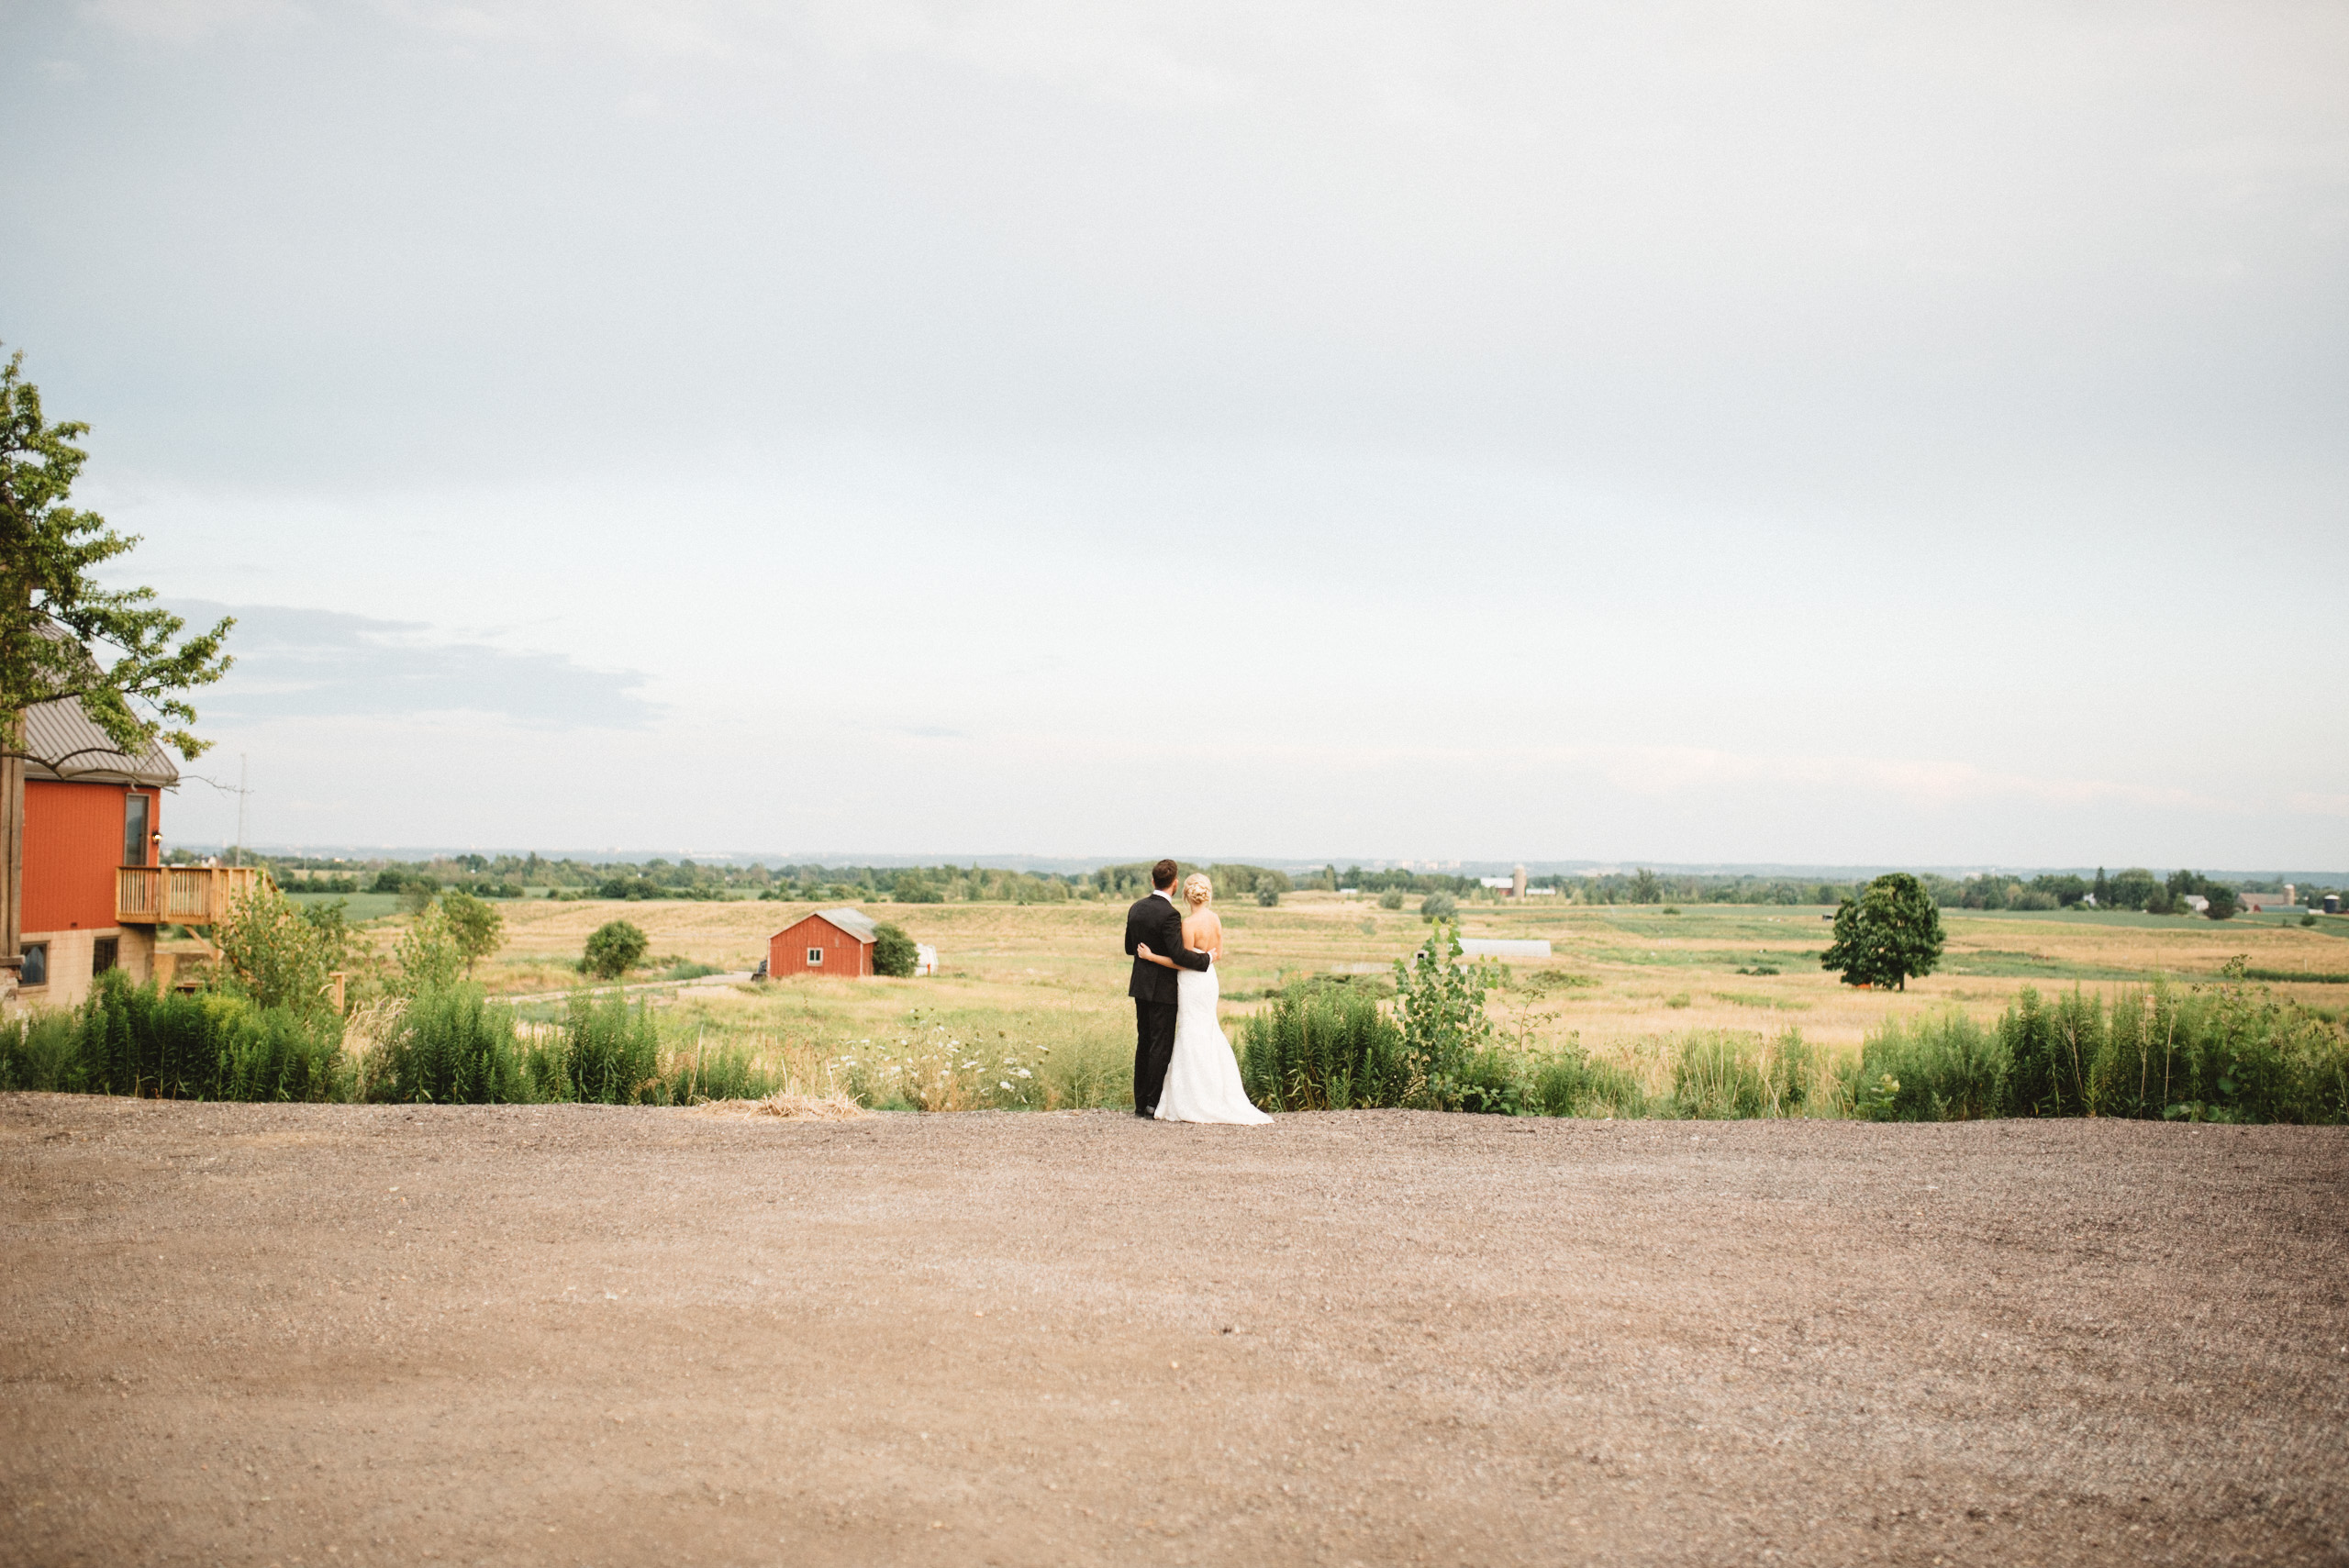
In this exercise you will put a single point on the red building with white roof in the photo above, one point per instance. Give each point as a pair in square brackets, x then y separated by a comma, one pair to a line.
[829, 941]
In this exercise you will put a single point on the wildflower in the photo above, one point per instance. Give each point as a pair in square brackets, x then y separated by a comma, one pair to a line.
[1001, 1085]
[1025, 1074]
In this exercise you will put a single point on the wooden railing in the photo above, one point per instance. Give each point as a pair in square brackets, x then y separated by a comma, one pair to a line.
[181, 896]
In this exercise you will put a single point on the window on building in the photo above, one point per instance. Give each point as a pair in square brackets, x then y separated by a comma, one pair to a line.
[136, 809]
[814, 955]
[36, 970]
[104, 954]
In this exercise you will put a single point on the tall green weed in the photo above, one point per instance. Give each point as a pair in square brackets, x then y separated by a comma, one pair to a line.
[1323, 1047]
[611, 1052]
[1941, 1066]
[42, 1052]
[451, 1046]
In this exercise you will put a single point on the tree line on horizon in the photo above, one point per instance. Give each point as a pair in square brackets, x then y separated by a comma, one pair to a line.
[515, 876]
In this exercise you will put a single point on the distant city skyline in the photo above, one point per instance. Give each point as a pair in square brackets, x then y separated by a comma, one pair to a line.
[1724, 435]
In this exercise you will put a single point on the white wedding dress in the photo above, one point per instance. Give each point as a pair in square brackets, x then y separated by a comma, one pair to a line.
[1202, 1077]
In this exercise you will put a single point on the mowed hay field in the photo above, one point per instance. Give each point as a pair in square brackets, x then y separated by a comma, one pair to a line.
[1618, 975]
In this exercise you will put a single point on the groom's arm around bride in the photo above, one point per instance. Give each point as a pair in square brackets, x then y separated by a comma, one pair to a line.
[1155, 921]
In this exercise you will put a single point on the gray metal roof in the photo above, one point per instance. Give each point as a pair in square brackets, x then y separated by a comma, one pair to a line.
[64, 743]
[855, 924]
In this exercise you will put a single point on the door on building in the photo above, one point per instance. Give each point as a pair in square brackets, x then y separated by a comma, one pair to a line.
[135, 809]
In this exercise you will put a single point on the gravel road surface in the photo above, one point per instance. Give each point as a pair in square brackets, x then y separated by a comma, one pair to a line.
[344, 1335]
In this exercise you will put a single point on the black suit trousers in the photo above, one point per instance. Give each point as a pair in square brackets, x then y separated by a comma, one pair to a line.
[1153, 1048]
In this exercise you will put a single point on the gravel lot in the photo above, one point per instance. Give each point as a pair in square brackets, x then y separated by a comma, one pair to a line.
[349, 1335]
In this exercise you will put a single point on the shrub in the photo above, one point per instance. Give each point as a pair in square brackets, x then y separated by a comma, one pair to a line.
[1793, 1077]
[1267, 894]
[894, 953]
[1941, 1067]
[611, 1053]
[1323, 1047]
[1490, 1080]
[428, 952]
[40, 1052]
[1571, 1083]
[451, 1046]
[476, 928]
[1440, 1004]
[1439, 907]
[275, 1054]
[2222, 1051]
[1391, 899]
[2050, 1053]
[614, 950]
[127, 1039]
[1718, 1076]
[2249, 1056]
[272, 953]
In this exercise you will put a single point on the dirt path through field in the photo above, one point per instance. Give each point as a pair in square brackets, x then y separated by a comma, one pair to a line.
[342, 1335]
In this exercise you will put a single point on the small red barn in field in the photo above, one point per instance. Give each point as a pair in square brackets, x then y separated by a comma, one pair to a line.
[829, 941]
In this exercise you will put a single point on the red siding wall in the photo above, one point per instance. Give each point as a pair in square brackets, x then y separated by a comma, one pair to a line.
[843, 955]
[72, 844]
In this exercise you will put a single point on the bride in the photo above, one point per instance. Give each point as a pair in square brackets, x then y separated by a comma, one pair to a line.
[1202, 1078]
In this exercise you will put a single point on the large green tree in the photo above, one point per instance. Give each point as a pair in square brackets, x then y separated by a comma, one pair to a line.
[63, 634]
[1892, 930]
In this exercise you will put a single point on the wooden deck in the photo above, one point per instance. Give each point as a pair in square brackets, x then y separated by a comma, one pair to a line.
[179, 895]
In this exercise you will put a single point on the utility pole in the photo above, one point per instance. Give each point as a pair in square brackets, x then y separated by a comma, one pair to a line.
[240, 857]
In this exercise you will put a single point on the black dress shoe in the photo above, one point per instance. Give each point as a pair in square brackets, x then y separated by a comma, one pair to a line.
[1150, 1115]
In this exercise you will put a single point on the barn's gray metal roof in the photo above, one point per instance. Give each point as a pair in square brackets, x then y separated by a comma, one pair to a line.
[854, 922]
[62, 742]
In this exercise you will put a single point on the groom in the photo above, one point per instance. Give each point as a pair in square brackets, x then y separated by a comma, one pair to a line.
[1156, 921]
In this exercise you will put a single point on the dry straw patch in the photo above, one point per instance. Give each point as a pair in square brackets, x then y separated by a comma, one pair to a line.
[789, 1106]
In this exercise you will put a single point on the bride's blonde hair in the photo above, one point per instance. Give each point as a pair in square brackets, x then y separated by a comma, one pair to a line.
[1197, 889]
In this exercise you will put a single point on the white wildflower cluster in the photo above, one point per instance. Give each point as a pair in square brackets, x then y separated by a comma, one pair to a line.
[931, 1066]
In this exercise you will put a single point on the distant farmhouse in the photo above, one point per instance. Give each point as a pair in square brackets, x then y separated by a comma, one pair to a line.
[829, 941]
[2254, 901]
[1512, 885]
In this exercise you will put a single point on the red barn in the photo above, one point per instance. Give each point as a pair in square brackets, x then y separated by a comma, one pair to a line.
[829, 941]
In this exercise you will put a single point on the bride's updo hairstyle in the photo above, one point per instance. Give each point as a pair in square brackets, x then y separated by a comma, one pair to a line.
[1197, 889]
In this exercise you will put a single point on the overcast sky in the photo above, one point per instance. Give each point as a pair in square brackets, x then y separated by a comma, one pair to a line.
[1801, 432]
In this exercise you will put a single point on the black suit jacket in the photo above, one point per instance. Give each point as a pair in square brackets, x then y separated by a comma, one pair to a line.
[1153, 921]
